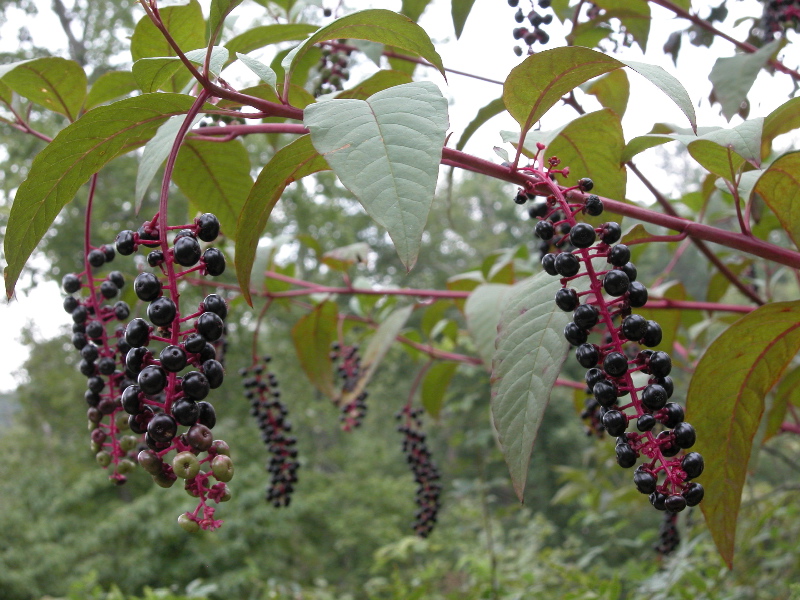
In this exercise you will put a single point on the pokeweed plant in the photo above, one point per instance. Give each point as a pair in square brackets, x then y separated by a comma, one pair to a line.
[385, 139]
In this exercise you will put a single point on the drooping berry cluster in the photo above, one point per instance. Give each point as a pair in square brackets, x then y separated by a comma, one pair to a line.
[333, 71]
[536, 20]
[778, 16]
[102, 358]
[261, 389]
[353, 410]
[622, 350]
[426, 475]
[162, 400]
[669, 538]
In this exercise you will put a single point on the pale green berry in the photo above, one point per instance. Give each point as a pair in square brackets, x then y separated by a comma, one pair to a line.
[103, 458]
[126, 465]
[220, 447]
[226, 495]
[121, 419]
[95, 447]
[222, 468]
[185, 465]
[188, 524]
[128, 442]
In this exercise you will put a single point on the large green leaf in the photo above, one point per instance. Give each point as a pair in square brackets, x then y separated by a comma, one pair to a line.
[591, 146]
[460, 10]
[494, 108]
[71, 158]
[733, 76]
[215, 176]
[530, 351]
[110, 86]
[313, 335]
[725, 403]
[482, 310]
[781, 120]
[185, 24]
[375, 25]
[434, 386]
[216, 16]
[540, 81]
[386, 150]
[56, 83]
[258, 37]
[612, 91]
[779, 187]
[289, 164]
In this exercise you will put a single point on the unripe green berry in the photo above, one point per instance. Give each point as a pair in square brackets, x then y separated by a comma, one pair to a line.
[121, 419]
[185, 465]
[188, 524]
[125, 466]
[103, 458]
[226, 495]
[128, 442]
[220, 447]
[94, 447]
[222, 468]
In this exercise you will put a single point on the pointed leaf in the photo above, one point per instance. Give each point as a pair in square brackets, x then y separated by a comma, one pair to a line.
[264, 72]
[215, 176]
[219, 56]
[733, 76]
[220, 9]
[726, 149]
[667, 84]
[375, 25]
[185, 24]
[382, 80]
[70, 159]
[612, 91]
[434, 386]
[289, 164]
[386, 150]
[779, 187]
[110, 86]
[55, 83]
[413, 9]
[313, 335]
[725, 403]
[460, 10]
[152, 74]
[530, 351]
[265, 35]
[781, 120]
[482, 311]
[494, 108]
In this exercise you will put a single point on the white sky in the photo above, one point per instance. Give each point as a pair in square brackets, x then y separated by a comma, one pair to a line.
[485, 48]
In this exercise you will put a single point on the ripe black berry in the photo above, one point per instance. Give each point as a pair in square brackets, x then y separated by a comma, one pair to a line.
[106, 365]
[585, 184]
[155, 258]
[605, 392]
[619, 255]
[185, 411]
[544, 230]
[208, 416]
[194, 343]
[71, 283]
[214, 261]
[207, 227]
[152, 380]
[549, 264]
[161, 311]
[587, 355]
[214, 372]
[125, 242]
[96, 258]
[575, 335]
[593, 205]
[131, 401]
[173, 358]
[630, 270]
[582, 235]
[537, 209]
[657, 499]
[593, 376]
[186, 251]
[70, 304]
[645, 481]
[121, 310]
[567, 264]
[147, 287]
[95, 329]
[685, 435]
[148, 236]
[162, 428]
[616, 283]
[615, 423]
[108, 290]
[117, 278]
[90, 353]
[634, 327]
[654, 397]
[626, 456]
[615, 364]
[586, 316]
[637, 295]
[210, 326]
[652, 336]
[693, 494]
[675, 503]
[671, 415]
[195, 385]
[137, 333]
[610, 233]
[660, 364]
[215, 304]
[567, 299]
[665, 382]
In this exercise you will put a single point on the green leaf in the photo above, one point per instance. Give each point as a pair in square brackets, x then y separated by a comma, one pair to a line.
[723, 152]
[733, 76]
[612, 91]
[460, 10]
[110, 86]
[152, 74]
[341, 259]
[382, 80]
[56, 83]
[494, 108]
[69, 160]
[185, 24]
[434, 386]
[377, 348]
[386, 150]
[540, 81]
[289, 164]
[725, 403]
[633, 14]
[220, 9]
[781, 120]
[482, 311]
[154, 154]
[719, 284]
[219, 56]
[530, 351]
[592, 146]
[787, 392]
[313, 335]
[264, 72]
[413, 9]
[375, 25]
[215, 176]
[258, 37]
[779, 187]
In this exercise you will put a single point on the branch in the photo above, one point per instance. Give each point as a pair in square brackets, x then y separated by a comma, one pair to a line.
[77, 49]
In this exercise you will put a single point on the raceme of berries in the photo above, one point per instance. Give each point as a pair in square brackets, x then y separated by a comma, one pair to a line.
[778, 16]
[425, 472]
[262, 390]
[333, 71]
[173, 361]
[669, 538]
[349, 370]
[613, 344]
[532, 31]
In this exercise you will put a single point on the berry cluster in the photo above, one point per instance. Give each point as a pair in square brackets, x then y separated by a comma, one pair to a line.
[425, 472]
[333, 71]
[669, 538]
[102, 358]
[349, 370]
[161, 401]
[778, 16]
[261, 389]
[536, 20]
[622, 356]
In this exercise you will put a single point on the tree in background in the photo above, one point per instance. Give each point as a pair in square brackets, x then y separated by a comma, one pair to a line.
[228, 267]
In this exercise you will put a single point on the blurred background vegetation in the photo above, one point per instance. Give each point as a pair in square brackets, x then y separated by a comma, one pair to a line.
[582, 533]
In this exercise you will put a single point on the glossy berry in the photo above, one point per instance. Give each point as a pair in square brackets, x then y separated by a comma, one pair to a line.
[186, 411]
[605, 392]
[173, 359]
[567, 299]
[215, 304]
[675, 503]
[587, 355]
[665, 382]
[208, 416]
[70, 283]
[195, 385]
[657, 499]
[660, 364]
[162, 311]
[615, 364]
[652, 336]
[210, 326]
[626, 456]
[106, 365]
[148, 236]
[593, 206]
[117, 278]
[615, 423]
[207, 227]
[147, 287]
[95, 329]
[70, 304]
[637, 295]
[137, 333]
[96, 258]
[108, 290]
[549, 264]
[134, 359]
[693, 494]
[586, 316]
[685, 435]
[544, 230]
[634, 327]
[200, 437]
[155, 258]
[575, 335]
[593, 376]
[131, 401]
[619, 255]
[152, 380]
[645, 481]
[567, 264]
[630, 270]
[214, 261]
[121, 310]
[186, 251]
[194, 343]
[616, 283]
[162, 428]
[585, 184]
[537, 209]
[671, 415]
[582, 235]
[610, 233]
[125, 242]
[654, 397]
